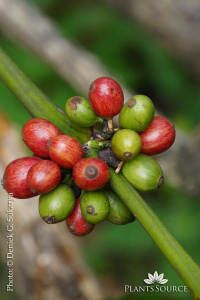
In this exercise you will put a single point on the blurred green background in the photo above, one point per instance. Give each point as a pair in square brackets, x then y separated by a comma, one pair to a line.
[122, 255]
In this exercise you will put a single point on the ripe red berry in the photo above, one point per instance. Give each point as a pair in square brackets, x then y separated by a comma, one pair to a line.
[106, 97]
[43, 177]
[36, 133]
[91, 174]
[77, 224]
[65, 151]
[14, 179]
[158, 137]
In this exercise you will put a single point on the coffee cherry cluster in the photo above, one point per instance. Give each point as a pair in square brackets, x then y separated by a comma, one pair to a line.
[73, 179]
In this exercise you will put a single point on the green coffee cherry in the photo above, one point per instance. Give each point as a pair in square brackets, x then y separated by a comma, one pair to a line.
[94, 206]
[57, 205]
[126, 144]
[144, 173]
[137, 113]
[80, 112]
[118, 214]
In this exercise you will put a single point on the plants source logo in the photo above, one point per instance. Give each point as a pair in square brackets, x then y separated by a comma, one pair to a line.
[152, 287]
[155, 278]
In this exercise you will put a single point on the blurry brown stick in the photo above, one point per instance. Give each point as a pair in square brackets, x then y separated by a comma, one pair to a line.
[174, 23]
[48, 263]
[32, 29]
[39, 34]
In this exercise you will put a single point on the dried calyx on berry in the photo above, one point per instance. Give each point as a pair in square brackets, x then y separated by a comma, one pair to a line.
[91, 174]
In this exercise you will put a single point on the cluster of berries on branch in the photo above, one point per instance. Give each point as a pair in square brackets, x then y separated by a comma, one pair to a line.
[73, 179]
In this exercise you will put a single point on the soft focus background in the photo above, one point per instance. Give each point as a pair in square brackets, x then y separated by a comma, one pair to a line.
[151, 48]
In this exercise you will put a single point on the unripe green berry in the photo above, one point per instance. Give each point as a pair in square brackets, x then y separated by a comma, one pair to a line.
[80, 112]
[137, 113]
[94, 206]
[144, 173]
[126, 144]
[57, 205]
[118, 214]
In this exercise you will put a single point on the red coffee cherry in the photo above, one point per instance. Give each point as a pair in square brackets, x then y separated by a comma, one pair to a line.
[65, 151]
[36, 133]
[158, 137]
[14, 179]
[91, 174]
[77, 224]
[43, 177]
[106, 97]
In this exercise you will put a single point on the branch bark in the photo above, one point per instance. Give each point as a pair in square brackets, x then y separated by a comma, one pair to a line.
[32, 29]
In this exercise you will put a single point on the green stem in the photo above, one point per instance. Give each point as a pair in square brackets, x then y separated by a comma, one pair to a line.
[93, 153]
[94, 144]
[39, 106]
[35, 102]
[186, 268]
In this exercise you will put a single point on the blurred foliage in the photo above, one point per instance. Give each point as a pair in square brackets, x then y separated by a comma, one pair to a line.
[123, 253]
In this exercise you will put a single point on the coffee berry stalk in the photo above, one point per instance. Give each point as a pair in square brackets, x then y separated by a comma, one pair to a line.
[39, 106]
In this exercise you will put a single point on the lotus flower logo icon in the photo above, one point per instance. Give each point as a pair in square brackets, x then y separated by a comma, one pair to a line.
[155, 278]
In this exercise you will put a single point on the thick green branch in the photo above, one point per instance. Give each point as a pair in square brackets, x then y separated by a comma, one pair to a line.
[35, 102]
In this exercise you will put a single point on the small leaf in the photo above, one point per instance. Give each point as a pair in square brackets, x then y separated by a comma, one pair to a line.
[156, 275]
[160, 277]
[163, 281]
[151, 277]
[148, 281]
